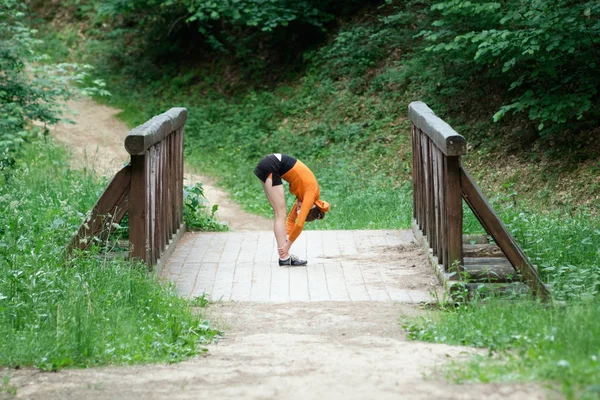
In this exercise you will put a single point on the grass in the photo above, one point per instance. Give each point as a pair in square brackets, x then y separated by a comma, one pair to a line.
[526, 341]
[87, 310]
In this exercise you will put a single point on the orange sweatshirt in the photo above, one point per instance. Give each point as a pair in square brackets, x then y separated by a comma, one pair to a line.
[304, 186]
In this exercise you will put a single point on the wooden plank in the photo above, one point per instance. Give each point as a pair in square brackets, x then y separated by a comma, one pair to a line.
[109, 209]
[138, 209]
[490, 269]
[426, 169]
[414, 169]
[355, 283]
[155, 130]
[117, 214]
[486, 261]
[417, 176]
[299, 284]
[165, 233]
[482, 250]
[442, 134]
[418, 182]
[158, 240]
[495, 289]
[430, 195]
[443, 256]
[433, 187]
[494, 226]
[148, 208]
[424, 183]
[454, 214]
[179, 153]
[317, 283]
[436, 204]
[170, 183]
[152, 207]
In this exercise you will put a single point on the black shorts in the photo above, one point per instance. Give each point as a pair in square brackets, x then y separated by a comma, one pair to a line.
[271, 167]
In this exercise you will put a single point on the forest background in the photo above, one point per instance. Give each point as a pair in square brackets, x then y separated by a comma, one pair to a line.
[329, 82]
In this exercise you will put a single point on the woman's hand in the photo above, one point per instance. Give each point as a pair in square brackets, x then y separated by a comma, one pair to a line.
[284, 252]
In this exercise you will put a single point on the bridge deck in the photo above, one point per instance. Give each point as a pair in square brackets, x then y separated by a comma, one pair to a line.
[381, 265]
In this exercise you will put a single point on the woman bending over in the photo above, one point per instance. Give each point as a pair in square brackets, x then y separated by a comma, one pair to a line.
[308, 207]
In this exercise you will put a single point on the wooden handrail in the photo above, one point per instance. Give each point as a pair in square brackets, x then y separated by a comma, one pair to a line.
[155, 130]
[106, 214]
[440, 183]
[494, 226]
[149, 190]
[436, 184]
[446, 139]
[156, 197]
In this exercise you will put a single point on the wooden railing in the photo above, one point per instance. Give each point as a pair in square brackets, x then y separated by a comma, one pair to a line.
[439, 184]
[149, 190]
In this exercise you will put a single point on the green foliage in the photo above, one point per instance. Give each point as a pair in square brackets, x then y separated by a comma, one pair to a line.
[266, 15]
[7, 387]
[545, 53]
[86, 310]
[196, 213]
[526, 341]
[30, 91]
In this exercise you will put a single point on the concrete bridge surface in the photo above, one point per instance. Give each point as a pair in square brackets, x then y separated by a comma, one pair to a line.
[351, 265]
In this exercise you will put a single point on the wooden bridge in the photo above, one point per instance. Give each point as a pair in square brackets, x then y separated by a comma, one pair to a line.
[343, 265]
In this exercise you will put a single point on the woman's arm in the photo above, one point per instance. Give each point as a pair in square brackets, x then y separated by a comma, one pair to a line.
[291, 218]
[307, 203]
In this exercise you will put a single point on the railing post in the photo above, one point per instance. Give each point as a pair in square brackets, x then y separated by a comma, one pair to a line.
[454, 215]
[139, 223]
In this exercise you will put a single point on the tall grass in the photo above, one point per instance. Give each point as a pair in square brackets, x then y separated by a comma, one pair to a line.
[57, 312]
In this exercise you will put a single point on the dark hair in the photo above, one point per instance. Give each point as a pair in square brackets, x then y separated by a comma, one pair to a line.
[315, 213]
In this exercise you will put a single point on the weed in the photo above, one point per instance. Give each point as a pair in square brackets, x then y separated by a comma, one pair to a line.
[196, 213]
[200, 301]
[7, 388]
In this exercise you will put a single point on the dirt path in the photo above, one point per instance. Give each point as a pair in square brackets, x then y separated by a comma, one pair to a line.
[328, 350]
[319, 351]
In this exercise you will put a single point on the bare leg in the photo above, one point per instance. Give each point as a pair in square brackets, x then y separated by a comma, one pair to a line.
[276, 197]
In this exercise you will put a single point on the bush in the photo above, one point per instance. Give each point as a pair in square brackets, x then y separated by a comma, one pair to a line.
[196, 214]
[30, 91]
[545, 53]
